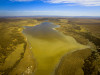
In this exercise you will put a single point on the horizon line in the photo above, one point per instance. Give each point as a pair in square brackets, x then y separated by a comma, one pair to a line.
[49, 16]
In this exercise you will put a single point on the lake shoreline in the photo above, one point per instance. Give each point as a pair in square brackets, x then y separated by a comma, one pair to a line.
[64, 55]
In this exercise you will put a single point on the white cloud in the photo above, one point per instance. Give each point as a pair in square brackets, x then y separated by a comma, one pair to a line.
[78, 2]
[30, 11]
[22, 0]
[72, 2]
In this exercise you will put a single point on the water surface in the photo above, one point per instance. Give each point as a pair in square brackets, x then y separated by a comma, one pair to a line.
[49, 46]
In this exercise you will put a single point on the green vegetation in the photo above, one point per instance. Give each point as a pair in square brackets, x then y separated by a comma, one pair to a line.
[72, 63]
[86, 31]
[92, 64]
[10, 37]
[11, 40]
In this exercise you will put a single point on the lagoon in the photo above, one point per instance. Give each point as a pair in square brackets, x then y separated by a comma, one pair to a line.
[49, 46]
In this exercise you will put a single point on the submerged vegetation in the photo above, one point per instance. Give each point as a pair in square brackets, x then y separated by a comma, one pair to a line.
[14, 49]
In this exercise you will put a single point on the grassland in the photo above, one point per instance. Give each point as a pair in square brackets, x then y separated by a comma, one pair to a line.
[85, 34]
[16, 58]
[74, 63]
[13, 46]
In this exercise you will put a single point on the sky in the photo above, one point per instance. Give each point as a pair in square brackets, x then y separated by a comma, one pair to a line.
[49, 7]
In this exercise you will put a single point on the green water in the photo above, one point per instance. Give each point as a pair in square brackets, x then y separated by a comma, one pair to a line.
[49, 46]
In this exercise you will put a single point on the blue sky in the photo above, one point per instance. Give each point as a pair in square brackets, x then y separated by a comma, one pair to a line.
[50, 7]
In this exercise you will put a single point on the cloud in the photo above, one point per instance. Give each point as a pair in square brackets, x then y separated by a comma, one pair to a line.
[69, 2]
[78, 2]
[21, 0]
[30, 11]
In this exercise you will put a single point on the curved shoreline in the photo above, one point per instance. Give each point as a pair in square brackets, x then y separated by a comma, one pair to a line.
[61, 57]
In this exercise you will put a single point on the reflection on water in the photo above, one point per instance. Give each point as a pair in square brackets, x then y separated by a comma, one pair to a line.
[48, 46]
[44, 31]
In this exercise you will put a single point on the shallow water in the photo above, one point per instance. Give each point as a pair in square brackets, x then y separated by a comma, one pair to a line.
[49, 46]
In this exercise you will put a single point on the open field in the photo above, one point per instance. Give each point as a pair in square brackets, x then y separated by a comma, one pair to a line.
[16, 56]
[13, 43]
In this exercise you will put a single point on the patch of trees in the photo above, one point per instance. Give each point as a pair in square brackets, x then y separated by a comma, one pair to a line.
[91, 38]
[92, 64]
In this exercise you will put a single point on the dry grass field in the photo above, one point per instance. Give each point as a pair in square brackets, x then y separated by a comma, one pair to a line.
[13, 43]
